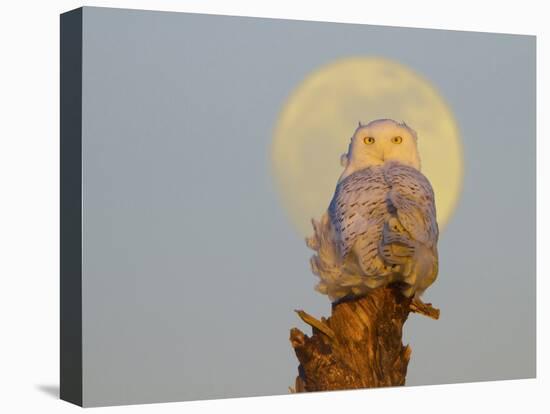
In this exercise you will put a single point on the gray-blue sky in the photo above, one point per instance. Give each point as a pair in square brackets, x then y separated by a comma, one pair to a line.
[191, 269]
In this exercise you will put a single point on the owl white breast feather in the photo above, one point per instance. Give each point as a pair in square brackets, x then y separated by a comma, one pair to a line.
[381, 226]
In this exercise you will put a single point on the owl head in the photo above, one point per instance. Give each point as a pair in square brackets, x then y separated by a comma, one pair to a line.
[378, 142]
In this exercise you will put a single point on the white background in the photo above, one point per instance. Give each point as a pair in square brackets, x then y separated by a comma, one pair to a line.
[29, 203]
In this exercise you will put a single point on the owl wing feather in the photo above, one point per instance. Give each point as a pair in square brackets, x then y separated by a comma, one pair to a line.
[358, 207]
[412, 198]
[381, 227]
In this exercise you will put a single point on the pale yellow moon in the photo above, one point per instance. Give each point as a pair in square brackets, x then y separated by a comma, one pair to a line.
[316, 123]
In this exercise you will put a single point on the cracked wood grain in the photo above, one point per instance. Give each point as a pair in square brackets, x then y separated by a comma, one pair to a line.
[359, 345]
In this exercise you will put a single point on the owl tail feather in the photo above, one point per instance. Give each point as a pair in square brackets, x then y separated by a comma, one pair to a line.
[327, 264]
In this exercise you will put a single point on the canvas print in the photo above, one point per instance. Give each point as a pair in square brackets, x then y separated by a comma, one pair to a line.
[260, 206]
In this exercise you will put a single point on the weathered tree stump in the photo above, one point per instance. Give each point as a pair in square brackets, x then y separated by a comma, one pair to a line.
[359, 346]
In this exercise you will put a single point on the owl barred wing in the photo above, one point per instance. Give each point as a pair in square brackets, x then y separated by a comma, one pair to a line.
[357, 206]
[412, 197]
[380, 228]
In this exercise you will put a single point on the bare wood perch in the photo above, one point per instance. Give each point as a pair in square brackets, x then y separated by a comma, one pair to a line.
[359, 345]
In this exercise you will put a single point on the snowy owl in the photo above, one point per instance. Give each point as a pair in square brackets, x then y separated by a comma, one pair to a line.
[381, 224]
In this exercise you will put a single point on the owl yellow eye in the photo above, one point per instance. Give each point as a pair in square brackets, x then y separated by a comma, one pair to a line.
[397, 140]
[368, 140]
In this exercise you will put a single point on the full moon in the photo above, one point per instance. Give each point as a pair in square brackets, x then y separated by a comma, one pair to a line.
[317, 121]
